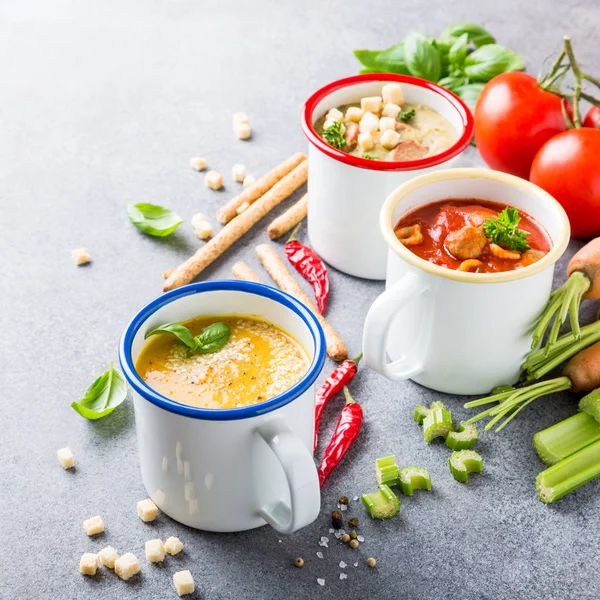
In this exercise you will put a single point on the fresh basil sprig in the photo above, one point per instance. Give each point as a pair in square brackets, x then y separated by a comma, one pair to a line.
[211, 339]
[153, 219]
[103, 396]
[464, 55]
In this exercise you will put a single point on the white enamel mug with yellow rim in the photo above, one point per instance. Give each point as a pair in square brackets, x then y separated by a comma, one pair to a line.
[451, 331]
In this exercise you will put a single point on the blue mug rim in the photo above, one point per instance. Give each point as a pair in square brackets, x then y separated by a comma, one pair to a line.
[225, 414]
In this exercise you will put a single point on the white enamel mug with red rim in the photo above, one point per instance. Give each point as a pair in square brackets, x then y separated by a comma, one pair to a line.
[229, 469]
[345, 192]
[451, 331]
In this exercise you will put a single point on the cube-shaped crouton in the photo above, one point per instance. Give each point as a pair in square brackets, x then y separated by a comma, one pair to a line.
[390, 110]
[392, 93]
[213, 180]
[108, 557]
[196, 220]
[242, 131]
[81, 256]
[93, 525]
[354, 113]
[147, 510]
[203, 230]
[88, 565]
[372, 104]
[334, 115]
[390, 139]
[365, 141]
[127, 566]
[386, 123]
[368, 123]
[173, 545]
[239, 118]
[198, 163]
[66, 458]
[184, 583]
[238, 173]
[155, 551]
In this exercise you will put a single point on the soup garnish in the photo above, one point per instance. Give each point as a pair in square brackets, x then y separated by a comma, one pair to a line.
[386, 128]
[257, 362]
[473, 235]
[211, 339]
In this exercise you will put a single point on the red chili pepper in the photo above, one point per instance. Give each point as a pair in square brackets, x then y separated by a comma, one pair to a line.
[307, 262]
[346, 431]
[334, 384]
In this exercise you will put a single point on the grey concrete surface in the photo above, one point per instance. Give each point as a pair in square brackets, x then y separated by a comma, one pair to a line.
[102, 101]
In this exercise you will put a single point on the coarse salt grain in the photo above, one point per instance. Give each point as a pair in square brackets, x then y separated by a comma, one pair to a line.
[360, 538]
[331, 530]
[324, 538]
[324, 544]
[343, 565]
[355, 498]
[343, 576]
[356, 564]
[343, 507]
[321, 582]
[320, 554]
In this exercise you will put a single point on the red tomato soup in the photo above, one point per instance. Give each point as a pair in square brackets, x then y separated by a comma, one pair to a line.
[450, 233]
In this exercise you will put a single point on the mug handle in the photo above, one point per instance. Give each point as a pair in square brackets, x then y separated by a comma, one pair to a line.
[377, 329]
[301, 475]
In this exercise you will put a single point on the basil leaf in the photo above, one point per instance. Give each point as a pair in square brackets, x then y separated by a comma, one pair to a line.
[488, 61]
[469, 93]
[452, 83]
[181, 332]
[422, 58]
[392, 60]
[367, 57]
[458, 51]
[443, 48]
[213, 338]
[103, 396]
[153, 219]
[476, 34]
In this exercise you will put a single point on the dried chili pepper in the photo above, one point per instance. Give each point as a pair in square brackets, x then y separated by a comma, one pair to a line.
[346, 431]
[334, 384]
[307, 262]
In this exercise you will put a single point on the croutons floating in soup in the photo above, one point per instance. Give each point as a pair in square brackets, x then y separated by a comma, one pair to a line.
[252, 362]
[473, 235]
[386, 128]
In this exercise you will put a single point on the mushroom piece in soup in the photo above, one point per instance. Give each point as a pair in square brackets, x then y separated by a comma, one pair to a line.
[258, 362]
[387, 128]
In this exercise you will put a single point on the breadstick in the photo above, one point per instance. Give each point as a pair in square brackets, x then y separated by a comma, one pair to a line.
[286, 282]
[289, 219]
[233, 231]
[262, 186]
[242, 271]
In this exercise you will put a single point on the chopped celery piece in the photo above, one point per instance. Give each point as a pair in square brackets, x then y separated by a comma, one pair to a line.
[463, 438]
[412, 478]
[421, 411]
[438, 423]
[569, 474]
[387, 471]
[464, 462]
[590, 404]
[566, 437]
[383, 504]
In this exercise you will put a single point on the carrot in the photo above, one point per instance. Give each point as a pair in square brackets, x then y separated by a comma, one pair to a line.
[581, 375]
[583, 283]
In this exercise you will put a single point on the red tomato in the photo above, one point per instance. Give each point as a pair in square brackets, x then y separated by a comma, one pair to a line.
[567, 168]
[592, 119]
[513, 119]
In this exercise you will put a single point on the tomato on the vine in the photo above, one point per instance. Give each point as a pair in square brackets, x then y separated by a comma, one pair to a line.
[514, 117]
[567, 167]
[592, 118]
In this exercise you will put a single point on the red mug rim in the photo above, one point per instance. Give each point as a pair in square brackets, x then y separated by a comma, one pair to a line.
[379, 165]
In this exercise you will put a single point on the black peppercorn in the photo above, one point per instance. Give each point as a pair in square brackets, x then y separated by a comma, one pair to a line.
[343, 500]
[353, 522]
[337, 520]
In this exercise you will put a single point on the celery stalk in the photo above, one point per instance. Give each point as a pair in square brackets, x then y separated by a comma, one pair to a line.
[463, 438]
[566, 437]
[412, 478]
[421, 411]
[569, 474]
[463, 462]
[383, 504]
[438, 423]
[590, 404]
[387, 471]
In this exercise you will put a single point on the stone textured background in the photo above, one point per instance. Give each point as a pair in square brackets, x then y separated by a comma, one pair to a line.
[102, 101]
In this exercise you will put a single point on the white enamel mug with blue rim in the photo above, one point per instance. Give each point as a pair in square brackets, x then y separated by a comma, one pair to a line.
[229, 469]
